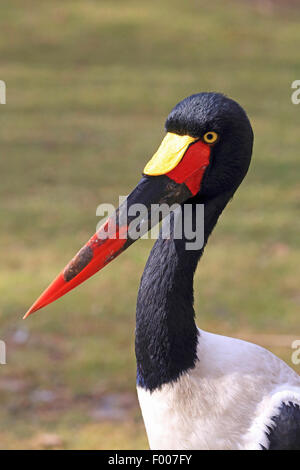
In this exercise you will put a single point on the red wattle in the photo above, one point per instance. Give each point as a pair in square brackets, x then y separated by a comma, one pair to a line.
[192, 167]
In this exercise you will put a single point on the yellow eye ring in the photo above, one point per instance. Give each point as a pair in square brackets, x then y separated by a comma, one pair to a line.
[210, 137]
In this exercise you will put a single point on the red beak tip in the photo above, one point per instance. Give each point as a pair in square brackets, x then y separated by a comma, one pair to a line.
[26, 315]
[29, 312]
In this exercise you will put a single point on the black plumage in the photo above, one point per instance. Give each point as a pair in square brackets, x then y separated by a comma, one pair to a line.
[284, 432]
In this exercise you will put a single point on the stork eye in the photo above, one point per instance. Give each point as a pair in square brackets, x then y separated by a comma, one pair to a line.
[210, 137]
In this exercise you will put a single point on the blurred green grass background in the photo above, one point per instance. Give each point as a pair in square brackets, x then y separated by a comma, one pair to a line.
[89, 84]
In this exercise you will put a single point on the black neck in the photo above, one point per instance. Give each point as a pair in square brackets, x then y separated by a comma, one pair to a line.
[166, 333]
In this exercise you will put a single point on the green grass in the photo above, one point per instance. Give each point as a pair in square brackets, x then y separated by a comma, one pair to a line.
[89, 85]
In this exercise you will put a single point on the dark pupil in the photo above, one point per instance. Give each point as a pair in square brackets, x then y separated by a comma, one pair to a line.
[209, 136]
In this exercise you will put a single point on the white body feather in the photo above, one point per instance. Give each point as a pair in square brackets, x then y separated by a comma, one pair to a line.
[225, 402]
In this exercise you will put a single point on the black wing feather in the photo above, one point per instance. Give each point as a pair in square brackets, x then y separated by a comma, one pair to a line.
[284, 434]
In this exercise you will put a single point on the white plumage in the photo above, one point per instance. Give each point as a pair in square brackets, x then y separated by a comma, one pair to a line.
[225, 402]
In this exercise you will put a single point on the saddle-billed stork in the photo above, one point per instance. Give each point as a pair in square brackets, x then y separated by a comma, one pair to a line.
[197, 390]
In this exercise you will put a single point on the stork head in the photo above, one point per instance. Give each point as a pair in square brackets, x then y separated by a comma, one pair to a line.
[223, 131]
[206, 151]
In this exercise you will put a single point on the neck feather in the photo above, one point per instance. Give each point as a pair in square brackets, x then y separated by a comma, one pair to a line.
[166, 333]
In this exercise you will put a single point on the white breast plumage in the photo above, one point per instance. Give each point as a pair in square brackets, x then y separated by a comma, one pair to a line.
[225, 402]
